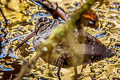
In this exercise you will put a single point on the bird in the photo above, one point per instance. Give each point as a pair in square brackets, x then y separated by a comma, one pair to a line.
[90, 49]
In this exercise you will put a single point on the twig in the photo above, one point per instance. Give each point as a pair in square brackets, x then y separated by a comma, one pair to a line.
[52, 8]
[6, 23]
[27, 66]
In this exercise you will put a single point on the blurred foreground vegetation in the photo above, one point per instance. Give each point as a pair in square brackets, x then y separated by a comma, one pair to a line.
[22, 14]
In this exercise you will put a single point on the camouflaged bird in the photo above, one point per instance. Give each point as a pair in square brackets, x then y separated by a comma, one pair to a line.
[89, 48]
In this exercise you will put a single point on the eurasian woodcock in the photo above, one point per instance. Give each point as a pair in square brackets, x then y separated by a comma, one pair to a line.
[91, 49]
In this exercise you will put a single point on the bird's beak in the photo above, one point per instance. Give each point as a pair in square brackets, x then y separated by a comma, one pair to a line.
[27, 38]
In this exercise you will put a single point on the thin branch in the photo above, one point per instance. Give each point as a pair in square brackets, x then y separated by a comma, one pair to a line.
[6, 23]
[52, 8]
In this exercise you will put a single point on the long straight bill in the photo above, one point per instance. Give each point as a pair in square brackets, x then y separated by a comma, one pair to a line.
[27, 38]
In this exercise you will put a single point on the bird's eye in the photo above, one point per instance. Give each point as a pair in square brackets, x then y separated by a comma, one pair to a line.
[91, 22]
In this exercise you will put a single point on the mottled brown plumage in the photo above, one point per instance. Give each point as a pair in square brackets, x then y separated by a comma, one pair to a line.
[83, 48]
[92, 50]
